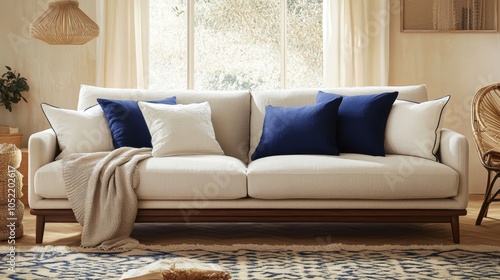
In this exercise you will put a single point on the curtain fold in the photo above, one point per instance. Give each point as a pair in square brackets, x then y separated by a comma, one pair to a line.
[122, 47]
[356, 42]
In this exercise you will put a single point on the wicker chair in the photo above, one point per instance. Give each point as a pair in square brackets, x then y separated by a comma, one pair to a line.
[486, 134]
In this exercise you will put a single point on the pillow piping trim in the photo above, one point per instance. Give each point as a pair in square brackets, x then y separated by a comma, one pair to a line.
[51, 126]
[439, 122]
[440, 116]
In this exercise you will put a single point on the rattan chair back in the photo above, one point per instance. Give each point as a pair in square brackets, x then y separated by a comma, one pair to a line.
[486, 125]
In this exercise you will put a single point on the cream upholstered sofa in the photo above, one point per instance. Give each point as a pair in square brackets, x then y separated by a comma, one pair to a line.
[287, 188]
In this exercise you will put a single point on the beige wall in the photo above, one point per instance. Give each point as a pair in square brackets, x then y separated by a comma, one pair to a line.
[458, 64]
[54, 73]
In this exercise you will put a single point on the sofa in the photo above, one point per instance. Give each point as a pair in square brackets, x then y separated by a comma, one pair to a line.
[396, 187]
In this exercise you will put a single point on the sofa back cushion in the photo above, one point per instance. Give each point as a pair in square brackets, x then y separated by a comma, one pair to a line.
[302, 97]
[230, 111]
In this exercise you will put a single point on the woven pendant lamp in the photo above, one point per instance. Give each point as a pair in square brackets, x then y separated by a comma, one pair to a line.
[63, 23]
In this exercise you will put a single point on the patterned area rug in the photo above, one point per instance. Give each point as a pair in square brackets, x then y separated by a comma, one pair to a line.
[334, 261]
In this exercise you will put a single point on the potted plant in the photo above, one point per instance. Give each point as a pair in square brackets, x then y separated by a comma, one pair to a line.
[12, 87]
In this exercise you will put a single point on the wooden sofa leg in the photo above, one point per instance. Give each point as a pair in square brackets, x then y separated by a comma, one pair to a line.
[455, 229]
[40, 228]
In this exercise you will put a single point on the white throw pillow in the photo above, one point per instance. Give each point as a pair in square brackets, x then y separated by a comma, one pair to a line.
[77, 131]
[180, 129]
[415, 128]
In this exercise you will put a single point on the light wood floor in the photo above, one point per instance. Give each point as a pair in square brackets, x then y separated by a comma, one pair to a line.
[303, 234]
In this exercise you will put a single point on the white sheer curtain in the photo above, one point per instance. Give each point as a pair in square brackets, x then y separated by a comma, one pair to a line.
[356, 42]
[122, 47]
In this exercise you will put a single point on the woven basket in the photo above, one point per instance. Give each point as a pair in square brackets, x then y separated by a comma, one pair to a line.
[5, 231]
[4, 212]
[14, 138]
[4, 186]
[10, 155]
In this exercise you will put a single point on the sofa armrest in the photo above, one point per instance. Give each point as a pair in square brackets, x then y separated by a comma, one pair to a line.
[42, 147]
[454, 152]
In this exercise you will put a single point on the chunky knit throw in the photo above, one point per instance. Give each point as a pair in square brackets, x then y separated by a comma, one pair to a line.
[101, 190]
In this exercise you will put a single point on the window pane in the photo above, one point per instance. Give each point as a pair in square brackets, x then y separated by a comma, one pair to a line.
[168, 44]
[237, 44]
[304, 59]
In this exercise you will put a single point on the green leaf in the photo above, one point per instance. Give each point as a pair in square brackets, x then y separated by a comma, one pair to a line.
[22, 85]
[12, 85]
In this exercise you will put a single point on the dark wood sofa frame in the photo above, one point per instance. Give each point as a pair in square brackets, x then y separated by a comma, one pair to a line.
[270, 215]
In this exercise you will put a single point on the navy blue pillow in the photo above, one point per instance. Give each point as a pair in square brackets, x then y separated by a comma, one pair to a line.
[361, 121]
[127, 125]
[299, 130]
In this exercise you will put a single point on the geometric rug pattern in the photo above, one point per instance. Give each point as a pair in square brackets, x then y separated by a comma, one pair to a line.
[246, 261]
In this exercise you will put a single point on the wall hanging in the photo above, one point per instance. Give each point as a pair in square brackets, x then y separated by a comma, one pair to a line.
[449, 15]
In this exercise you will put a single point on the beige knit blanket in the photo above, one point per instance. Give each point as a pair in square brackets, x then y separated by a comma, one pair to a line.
[101, 190]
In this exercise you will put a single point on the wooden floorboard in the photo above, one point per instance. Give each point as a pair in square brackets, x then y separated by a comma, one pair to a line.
[292, 233]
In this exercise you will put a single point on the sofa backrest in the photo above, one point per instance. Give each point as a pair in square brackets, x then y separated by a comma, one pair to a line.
[302, 97]
[230, 111]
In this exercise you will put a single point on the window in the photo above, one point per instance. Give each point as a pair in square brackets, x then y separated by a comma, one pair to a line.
[236, 44]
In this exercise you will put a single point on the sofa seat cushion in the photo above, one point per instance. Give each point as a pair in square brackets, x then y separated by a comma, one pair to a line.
[197, 177]
[350, 176]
